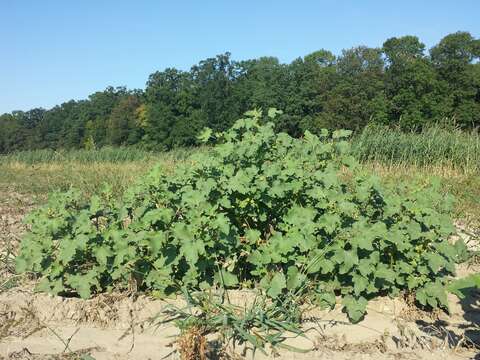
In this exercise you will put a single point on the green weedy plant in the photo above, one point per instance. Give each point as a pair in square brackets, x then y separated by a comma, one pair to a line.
[258, 209]
[254, 325]
[464, 286]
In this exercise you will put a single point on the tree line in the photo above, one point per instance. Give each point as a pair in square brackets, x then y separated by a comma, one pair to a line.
[400, 84]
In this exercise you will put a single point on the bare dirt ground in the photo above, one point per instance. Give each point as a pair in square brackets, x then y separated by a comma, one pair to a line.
[116, 326]
[13, 207]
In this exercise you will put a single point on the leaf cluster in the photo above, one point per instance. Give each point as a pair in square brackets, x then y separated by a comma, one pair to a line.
[259, 209]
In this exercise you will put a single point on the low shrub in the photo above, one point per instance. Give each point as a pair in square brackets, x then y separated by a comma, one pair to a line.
[258, 209]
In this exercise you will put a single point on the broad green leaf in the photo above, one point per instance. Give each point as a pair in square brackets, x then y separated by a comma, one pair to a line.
[360, 283]
[464, 286]
[205, 135]
[349, 260]
[101, 254]
[325, 299]
[295, 278]
[226, 278]
[355, 307]
[277, 284]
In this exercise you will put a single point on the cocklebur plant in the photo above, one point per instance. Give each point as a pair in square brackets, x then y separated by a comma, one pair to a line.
[258, 209]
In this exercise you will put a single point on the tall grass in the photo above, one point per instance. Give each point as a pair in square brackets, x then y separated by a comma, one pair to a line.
[106, 154]
[434, 146]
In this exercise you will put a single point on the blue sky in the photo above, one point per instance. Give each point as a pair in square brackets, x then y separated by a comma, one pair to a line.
[52, 51]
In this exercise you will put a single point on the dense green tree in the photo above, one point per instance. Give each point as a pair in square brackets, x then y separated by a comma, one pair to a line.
[308, 82]
[213, 80]
[54, 126]
[454, 59]
[97, 111]
[11, 134]
[398, 85]
[171, 112]
[411, 84]
[358, 95]
[123, 122]
[260, 83]
[73, 126]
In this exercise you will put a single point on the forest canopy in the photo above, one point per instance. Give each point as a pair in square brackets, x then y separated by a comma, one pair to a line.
[401, 84]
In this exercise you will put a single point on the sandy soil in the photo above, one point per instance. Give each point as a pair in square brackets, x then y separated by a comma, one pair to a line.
[115, 326]
[13, 207]
[118, 327]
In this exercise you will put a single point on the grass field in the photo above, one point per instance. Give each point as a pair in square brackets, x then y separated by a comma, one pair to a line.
[451, 155]
[434, 146]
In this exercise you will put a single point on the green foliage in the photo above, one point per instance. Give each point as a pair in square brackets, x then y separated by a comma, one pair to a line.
[464, 286]
[257, 209]
[115, 155]
[257, 323]
[434, 145]
[396, 85]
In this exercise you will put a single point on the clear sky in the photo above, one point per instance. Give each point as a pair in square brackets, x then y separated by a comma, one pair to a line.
[52, 50]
